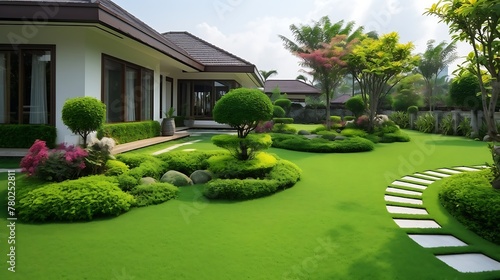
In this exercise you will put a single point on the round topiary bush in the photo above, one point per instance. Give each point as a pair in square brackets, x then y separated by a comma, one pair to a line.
[227, 167]
[82, 115]
[470, 198]
[278, 112]
[154, 193]
[320, 145]
[412, 110]
[115, 167]
[243, 109]
[284, 103]
[81, 199]
[356, 105]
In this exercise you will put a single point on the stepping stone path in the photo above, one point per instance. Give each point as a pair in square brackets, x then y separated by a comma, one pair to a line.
[404, 197]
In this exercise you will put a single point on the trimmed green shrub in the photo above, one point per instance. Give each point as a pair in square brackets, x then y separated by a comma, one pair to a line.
[24, 135]
[351, 132]
[319, 145]
[470, 198]
[398, 136]
[134, 160]
[349, 118]
[155, 193]
[235, 145]
[426, 123]
[227, 167]
[446, 125]
[284, 175]
[129, 132]
[82, 199]
[284, 103]
[336, 119]
[303, 132]
[283, 120]
[188, 162]
[127, 182]
[115, 167]
[402, 119]
[278, 112]
[284, 128]
[328, 134]
[356, 105]
[243, 109]
[154, 168]
[318, 129]
[412, 110]
[82, 115]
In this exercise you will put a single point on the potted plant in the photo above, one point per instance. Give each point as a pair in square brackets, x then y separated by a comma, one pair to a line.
[168, 123]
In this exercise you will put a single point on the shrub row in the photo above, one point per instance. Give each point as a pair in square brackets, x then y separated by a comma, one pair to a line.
[24, 135]
[319, 145]
[283, 175]
[81, 199]
[129, 132]
[470, 198]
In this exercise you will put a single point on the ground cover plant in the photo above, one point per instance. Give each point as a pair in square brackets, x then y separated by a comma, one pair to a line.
[332, 212]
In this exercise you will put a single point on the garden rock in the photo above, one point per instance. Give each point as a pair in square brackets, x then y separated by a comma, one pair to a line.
[303, 132]
[487, 138]
[201, 176]
[176, 178]
[340, 138]
[147, 181]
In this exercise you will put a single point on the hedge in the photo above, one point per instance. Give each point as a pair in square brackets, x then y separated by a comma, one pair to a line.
[470, 198]
[129, 132]
[228, 167]
[24, 135]
[283, 120]
[319, 145]
[188, 162]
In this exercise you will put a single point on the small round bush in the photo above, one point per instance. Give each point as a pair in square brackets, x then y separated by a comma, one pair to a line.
[243, 109]
[349, 118]
[82, 199]
[319, 145]
[470, 198]
[82, 115]
[284, 128]
[127, 182]
[303, 132]
[284, 103]
[155, 193]
[335, 119]
[188, 162]
[356, 105]
[134, 160]
[278, 112]
[412, 110]
[115, 168]
[227, 167]
[351, 132]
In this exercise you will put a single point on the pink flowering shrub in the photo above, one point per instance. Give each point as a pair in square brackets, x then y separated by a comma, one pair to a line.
[363, 122]
[264, 127]
[62, 163]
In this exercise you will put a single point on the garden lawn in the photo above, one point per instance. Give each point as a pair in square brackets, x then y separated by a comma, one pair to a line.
[332, 224]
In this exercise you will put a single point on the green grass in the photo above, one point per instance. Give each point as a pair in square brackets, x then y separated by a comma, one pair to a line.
[332, 224]
[10, 162]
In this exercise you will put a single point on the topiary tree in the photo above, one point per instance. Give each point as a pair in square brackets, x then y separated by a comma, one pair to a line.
[278, 112]
[284, 103]
[82, 115]
[243, 109]
[356, 105]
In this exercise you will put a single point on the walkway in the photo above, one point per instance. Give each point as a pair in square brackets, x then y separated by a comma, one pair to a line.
[404, 199]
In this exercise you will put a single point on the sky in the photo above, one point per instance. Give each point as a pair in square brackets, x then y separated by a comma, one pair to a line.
[250, 28]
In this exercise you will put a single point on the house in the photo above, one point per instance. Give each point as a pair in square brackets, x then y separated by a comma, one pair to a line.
[58, 49]
[296, 90]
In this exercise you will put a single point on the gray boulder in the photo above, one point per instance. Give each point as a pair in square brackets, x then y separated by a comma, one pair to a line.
[176, 178]
[147, 181]
[201, 176]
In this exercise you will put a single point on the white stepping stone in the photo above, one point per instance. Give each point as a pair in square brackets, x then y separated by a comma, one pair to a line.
[405, 210]
[436, 240]
[427, 177]
[173, 147]
[446, 170]
[189, 150]
[481, 166]
[409, 223]
[437, 174]
[392, 198]
[417, 180]
[463, 168]
[395, 190]
[470, 262]
[409, 185]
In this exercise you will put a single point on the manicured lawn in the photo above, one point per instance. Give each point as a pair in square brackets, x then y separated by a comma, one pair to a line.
[332, 225]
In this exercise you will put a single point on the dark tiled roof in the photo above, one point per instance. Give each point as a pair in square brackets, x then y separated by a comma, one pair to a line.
[342, 99]
[204, 52]
[291, 87]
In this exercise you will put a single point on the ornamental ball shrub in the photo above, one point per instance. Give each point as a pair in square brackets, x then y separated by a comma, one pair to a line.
[154, 193]
[278, 112]
[284, 103]
[356, 105]
[243, 107]
[412, 110]
[82, 115]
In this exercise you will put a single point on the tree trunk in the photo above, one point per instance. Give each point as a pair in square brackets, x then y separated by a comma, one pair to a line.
[489, 114]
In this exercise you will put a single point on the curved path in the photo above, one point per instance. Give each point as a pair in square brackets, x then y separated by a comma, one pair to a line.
[404, 197]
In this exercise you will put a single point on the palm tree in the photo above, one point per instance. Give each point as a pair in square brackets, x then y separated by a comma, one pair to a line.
[267, 74]
[433, 61]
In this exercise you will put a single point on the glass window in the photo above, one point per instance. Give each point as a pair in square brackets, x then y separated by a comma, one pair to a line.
[127, 91]
[26, 85]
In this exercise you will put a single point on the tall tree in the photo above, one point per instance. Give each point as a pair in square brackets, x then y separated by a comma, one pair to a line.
[434, 60]
[477, 22]
[322, 46]
[267, 74]
[377, 65]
